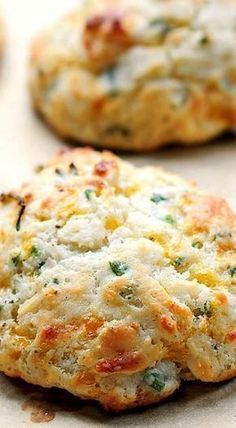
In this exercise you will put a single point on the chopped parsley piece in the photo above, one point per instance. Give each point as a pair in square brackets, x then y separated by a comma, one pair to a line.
[34, 252]
[88, 193]
[154, 379]
[169, 219]
[156, 198]
[197, 244]
[16, 260]
[56, 281]
[179, 261]
[232, 272]
[118, 268]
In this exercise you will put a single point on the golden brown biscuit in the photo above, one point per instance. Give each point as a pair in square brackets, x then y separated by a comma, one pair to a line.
[116, 282]
[138, 74]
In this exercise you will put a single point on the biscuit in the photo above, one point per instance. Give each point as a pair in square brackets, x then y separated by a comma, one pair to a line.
[138, 74]
[117, 282]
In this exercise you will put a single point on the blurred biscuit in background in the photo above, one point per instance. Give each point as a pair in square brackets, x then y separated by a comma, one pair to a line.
[138, 74]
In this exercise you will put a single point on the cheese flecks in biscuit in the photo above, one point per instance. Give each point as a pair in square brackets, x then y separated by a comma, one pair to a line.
[116, 282]
[138, 74]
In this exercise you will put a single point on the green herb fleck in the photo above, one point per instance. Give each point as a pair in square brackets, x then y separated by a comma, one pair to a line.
[222, 235]
[56, 281]
[208, 308]
[179, 261]
[16, 260]
[88, 194]
[41, 264]
[154, 379]
[39, 168]
[169, 219]
[110, 76]
[117, 129]
[204, 40]
[232, 272]
[197, 244]
[34, 252]
[58, 172]
[1, 307]
[73, 168]
[156, 198]
[118, 268]
[127, 293]
[161, 26]
[20, 214]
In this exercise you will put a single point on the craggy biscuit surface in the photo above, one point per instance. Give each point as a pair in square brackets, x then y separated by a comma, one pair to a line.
[138, 74]
[116, 282]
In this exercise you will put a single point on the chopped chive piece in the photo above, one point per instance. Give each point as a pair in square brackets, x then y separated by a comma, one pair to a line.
[118, 268]
[56, 281]
[222, 235]
[16, 260]
[1, 307]
[21, 212]
[34, 252]
[58, 172]
[88, 193]
[179, 261]
[39, 168]
[197, 244]
[161, 26]
[156, 198]
[110, 76]
[169, 219]
[204, 40]
[73, 168]
[41, 264]
[232, 272]
[208, 308]
[154, 379]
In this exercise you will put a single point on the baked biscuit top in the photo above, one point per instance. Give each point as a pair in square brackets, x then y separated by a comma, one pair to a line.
[108, 270]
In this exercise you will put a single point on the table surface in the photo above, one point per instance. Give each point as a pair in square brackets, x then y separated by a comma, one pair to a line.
[25, 141]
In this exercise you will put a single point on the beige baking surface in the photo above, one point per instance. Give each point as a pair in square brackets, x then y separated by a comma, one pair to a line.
[25, 142]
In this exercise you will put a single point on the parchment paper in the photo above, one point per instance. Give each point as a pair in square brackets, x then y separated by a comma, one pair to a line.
[24, 142]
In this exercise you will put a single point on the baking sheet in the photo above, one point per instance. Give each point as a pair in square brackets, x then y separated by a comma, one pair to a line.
[25, 142]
